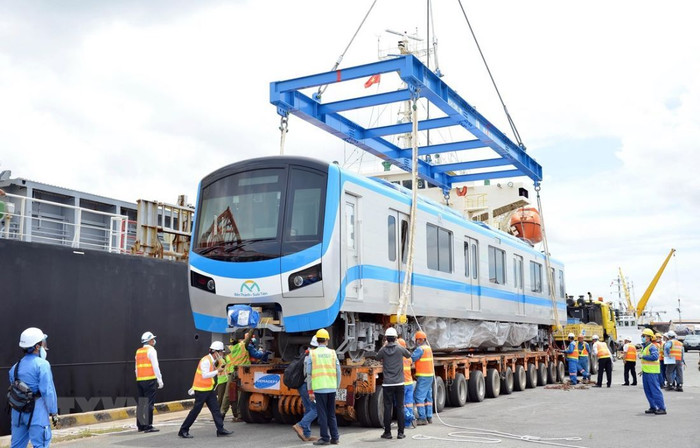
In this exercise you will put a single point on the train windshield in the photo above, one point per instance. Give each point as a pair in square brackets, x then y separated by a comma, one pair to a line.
[260, 214]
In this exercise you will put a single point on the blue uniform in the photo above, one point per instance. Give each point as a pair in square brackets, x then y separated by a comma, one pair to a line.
[423, 396]
[652, 388]
[35, 373]
[583, 360]
[572, 363]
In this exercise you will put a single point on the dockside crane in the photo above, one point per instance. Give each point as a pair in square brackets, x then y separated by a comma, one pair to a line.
[628, 299]
[647, 294]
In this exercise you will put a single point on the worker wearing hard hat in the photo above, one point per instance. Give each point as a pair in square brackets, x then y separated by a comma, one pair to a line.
[673, 351]
[240, 354]
[322, 380]
[392, 355]
[650, 371]
[602, 352]
[409, 417]
[572, 358]
[425, 373]
[148, 379]
[32, 372]
[629, 355]
[584, 351]
[203, 389]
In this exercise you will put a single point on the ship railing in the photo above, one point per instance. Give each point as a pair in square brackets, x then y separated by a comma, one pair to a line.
[65, 224]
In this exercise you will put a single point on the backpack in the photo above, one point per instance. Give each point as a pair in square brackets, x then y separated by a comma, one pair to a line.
[20, 397]
[294, 373]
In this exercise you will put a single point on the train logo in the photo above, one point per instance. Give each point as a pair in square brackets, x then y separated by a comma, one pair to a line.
[250, 288]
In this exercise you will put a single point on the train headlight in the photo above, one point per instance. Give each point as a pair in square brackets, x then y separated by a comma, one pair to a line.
[202, 282]
[305, 278]
[211, 286]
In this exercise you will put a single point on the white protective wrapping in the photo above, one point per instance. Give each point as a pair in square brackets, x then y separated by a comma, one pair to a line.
[451, 334]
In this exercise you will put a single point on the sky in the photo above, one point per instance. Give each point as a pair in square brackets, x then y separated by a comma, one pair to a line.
[138, 99]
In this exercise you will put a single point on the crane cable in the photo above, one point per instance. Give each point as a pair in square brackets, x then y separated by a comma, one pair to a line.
[505, 109]
[548, 266]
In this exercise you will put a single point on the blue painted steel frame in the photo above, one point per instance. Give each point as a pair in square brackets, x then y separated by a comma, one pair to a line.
[422, 83]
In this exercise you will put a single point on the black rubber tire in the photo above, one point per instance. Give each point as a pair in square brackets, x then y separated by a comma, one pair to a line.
[507, 382]
[531, 378]
[493, 383]
[362, 410]
[458, 391]
[561, 371]
[342, 421]
[276, 414]
[439, 394]
[519, 378]
[541, 374]
[243, 406]
[375, 408]
[551, 373]
[477, 386]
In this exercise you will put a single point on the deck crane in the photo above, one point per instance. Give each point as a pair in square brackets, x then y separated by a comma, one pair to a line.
[625, 288]
[647, 294]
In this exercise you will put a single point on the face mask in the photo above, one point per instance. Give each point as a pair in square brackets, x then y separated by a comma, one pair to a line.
[644, 340]
[42, 352]
[154, 342]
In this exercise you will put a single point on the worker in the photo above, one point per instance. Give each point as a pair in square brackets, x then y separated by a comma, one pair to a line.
[409, 418]
[602, 352]
[34, 372]
[583, 358]
[650, 371]
[629, 355]
[240, 353]
[303, 428]
[392, 355]
[659, 341]
[425, 372]
[148, 379]
[203, 389]
[675, 352]
[572, 358]
[322, 380]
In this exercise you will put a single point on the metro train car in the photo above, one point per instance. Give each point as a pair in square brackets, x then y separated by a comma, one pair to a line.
[311, 245]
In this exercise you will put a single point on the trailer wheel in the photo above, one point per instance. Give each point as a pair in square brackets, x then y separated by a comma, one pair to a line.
[458, 391]
[560, 371]
[531, 379]
[439, 394]
[362, 410]
[551, 373]
[244, 406]
[541, 375]
[477, 386]
[519, 378]
[376, 408]
[507, 382]
[276, 414]
[493, 383]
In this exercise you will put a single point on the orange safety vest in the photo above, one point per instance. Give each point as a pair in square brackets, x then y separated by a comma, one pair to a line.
[407, 377]
[583, 351]
[200, 383]
[144, 368]
[424, 364]
[574, 352]
[660, 347]
[676, 349]
[603, 351]
[631, 354]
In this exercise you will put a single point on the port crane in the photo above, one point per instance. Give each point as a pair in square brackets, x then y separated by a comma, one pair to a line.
[647, 294]
[625, 288]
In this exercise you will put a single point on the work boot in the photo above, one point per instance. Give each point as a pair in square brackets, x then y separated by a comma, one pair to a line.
[151, 429]
[650, 411]
[679, 388]
[335, 442]
[430, 420]
[421, 422]
[669, 387]
[401, 436]
[660, 412]
[184, 434]
[223, 432]
[386, 435]
[413, 424]
[320, 442]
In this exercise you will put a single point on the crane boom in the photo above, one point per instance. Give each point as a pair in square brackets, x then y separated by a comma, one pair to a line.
[645, 298]
[630, 307]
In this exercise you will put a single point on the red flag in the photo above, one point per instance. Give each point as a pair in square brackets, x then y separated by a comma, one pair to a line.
[374, 79]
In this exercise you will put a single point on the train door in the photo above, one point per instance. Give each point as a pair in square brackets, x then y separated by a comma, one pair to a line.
[518, 282]
[350, 235]
[471, 271]
[401, 260]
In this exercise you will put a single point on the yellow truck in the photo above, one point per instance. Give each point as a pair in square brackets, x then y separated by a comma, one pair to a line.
[589, 316]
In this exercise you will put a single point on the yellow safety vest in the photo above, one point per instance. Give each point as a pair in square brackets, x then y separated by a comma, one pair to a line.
[424, 364]
[144, 368]
[649, 366]
[200, 383]
[238, 356]
[603, 351]
[676, 350]
[583, 351]
[323, 372]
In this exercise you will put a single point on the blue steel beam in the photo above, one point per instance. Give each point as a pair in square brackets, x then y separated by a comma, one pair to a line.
[473, 165]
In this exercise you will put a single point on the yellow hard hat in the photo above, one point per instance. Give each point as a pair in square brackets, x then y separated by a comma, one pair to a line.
[648, 332]
[659, 335]
[322, 334]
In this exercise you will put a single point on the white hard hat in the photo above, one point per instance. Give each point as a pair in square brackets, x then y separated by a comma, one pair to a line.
[595, 336]
[671, 334]
[147, 336]
[217, 345]
[30, 337]
[314, 342]
[391, 332]
[571, 335]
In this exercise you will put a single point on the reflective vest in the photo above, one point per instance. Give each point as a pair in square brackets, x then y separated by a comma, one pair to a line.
[660, 347]
[649, 366]
[238, 356]
[631, 354]
[583, 349]
[407, 377]
[200, 383]
[602, 349]
[676, 349]
[323, 372]
[144, 368]
[424, 364]
[223, 378]
[574, 352]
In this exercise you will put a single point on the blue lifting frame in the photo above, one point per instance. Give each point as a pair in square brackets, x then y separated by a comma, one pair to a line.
[421, 83]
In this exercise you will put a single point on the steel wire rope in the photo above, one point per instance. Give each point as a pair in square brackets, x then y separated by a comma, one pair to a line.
[493, 81]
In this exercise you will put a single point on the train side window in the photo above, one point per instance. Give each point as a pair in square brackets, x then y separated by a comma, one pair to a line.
[562, 289]
[535, 277]
[497, 266]
[518, 271]
[466, 259]
[404, 240]
[392, 238]
[475, 262]
[439, 248]
[350, 220]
